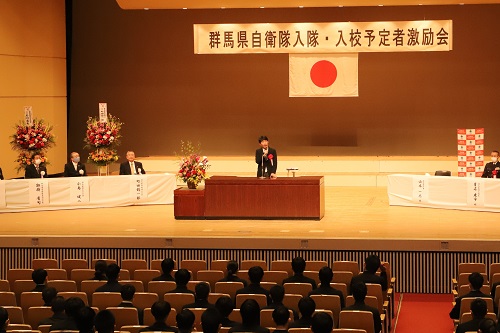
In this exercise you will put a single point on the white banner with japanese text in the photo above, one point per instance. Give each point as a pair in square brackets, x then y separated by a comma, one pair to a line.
[475, 192]
[138, 187]
[420, 189]
[79, 190]
[39, 192]
[3, 202]
[332, 37]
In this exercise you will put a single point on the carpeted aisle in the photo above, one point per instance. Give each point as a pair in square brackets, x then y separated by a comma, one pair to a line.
[424, 313]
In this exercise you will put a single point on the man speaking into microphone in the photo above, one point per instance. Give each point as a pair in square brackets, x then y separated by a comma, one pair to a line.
[266, 159]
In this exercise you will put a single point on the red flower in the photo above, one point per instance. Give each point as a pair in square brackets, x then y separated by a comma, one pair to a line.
[270, 156]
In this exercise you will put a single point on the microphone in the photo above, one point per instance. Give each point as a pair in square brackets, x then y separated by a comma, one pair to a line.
[42, 173]
[139, 171]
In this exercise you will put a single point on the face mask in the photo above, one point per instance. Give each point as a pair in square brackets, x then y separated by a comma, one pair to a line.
[76, 159]
[494, 159]
[38, 161]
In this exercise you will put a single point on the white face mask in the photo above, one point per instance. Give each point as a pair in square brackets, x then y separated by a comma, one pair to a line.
[38, 161]
[494, 159]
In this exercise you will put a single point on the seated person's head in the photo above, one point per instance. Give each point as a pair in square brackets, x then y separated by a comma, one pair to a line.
[39, 276]
[224, 305]
[478, 308]
[167, 265]
[4, 318]
[476, 281]
[58, 304]
[104, 322]
[487, 326]
[202, 290]
[85, 319]
[185, 320]
[255, 274]
[127, 291]
[112, 272]
[250, 312]
[100, 266]
[372, 263]
[182, 277]
[322, 323]
[48, 295]
[325, 275]
[298, 265]
[277, 293]
[232, 267]
[307, 306]
[281, 316]
[72, 305]
[359, 291]
[160, 310]
[210, 321]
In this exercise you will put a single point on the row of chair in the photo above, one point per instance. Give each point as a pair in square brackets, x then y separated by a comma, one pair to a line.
[464, 269]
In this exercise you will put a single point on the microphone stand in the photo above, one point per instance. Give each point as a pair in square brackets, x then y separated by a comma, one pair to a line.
[262, 166]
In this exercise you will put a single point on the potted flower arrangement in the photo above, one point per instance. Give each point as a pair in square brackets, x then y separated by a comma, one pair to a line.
[192, 166]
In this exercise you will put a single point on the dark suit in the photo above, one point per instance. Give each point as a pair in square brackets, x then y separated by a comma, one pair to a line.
[31, 171]
[367, 277]
[301, 323]
[159, 327]
[109, 287]
[488, 170]
[248, 328]
[39, 288]
[164, 277]
[226, 322]
[125, 168]
[70, 171]
[469, 326]
[180, 290]
[199, 303]
[269, 166]
[455, 312]
[273, 306]
[67, 324]
[56, 317]
[234, 278]
[327, 290]
[1, 174]
[140, 312]
[254, 289]
[361, 306]
[299, 278]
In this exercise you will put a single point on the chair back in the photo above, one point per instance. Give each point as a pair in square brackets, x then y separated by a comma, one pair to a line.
[229, 288]
[471, 267]
[16, 315]
[80, 294]
[81, 274]
[282, 265]
[18, 327]
[104, 300]
[149, 319]
[35, 314]
[89, 287]
[219, 265]
[275, 276]
[268, 285]
[29, 299]
[259, 298]
[56, 274]
[235, 316]
[197, 318]
[357, 319]
[146, 276]
[466, 301]
[44, 263]
[298, 288]
[15, 274]
[465, 289]
[291, 301]
[62, 285]
[299, 330]
[315, 265]
[132, 328]
[71, 264]
[369, 300]
[124, 316]
[210, 276]
[329, 302]
[494, 269]
[312, 275]
[160, 287]
[344, 277]
[108, 262]
[194, 266]
[463, 279]
[346, 266]
[133, 264]
[4, 285]
[178, 300]
[139, 287]
[213, 297]
[144, 300]
[8, 298]
[247, 264]
[44, 328]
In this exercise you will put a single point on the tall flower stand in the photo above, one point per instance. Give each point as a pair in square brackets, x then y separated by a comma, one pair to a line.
[103, 170]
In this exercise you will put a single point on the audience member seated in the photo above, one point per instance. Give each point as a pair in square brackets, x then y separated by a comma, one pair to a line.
[478, 308]
[167, 266]
[160, 311]
[225, 306]
[277, 294]
[326, 277]
[112, 273]
[185, 321]
[71, 307]
[359, 291]
[85, 320]
[48, 295]
[39, 276]
[100, 270]
[281, 317]
[487, 326]
[298, 267]
[182, 277]
[250, 318]
[322, 323]
[255, 274]
[372, 264]
[307, 306]
[201, 292]
[127, 292]
[210, 321]
[476, 281]
[4, 319]
[104, 322]
[57, 308]
[232, 270]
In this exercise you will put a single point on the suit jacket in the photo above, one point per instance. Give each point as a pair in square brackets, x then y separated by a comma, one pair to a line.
[248, 328]
[69, 170]
[140, 312]
[199, 303]
[56, 317]
[327, 290]
[469, 326]
[301, 323]
[488, 170]
[361, 306]
[270, 165]
[163, 277]
[299, 278]
[159, 327]
[367, 277]
[1, 174]
[180, 290]
[39, 288]
[254, 289]
[109, 287]
[31, 172]
[68, 324]
[273, 306]
[125, 168]
[234, 278]
[455, 312]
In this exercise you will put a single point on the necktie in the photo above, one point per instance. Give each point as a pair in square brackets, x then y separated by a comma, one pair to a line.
[76, 166]
[37, 169]
[132, 168]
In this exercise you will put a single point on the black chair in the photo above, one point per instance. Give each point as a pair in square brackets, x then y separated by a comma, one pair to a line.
[442, 173]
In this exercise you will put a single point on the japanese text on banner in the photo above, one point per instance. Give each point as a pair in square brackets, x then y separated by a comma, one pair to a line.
[79, 190]
[38, 193]
[138, 188]
[420, 189]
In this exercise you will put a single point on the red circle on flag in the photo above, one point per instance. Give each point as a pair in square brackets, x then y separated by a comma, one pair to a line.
[323, 73]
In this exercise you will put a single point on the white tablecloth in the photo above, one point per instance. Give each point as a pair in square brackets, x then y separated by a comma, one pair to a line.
[105, 191]
[480, 194]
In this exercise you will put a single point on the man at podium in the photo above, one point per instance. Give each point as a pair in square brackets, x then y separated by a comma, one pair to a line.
[266, 159]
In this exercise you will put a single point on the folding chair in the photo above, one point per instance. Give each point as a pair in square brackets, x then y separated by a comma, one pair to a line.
[79, 294]
[106, 300]
[291, 301]
[145, 276]
[219, 265]
[149, 319]
[8, 298]
[346, 266]
[329, 302]
[247, 264]
[36, 314]
[160, 287]
[282, 265]
[62, 285]
[124, 316]
[144, 300]
[259, 298]
[56, 274]
[133, 264]
[29, 299]
[357, 319]
[210, 276]
[229, 288]
[71, 264]
[15, 314]
[465, 305]
[275, 276]
[194, 266]
[298, 288]
[177, 301]
[81, 274]
[15, 274]
[44, 263]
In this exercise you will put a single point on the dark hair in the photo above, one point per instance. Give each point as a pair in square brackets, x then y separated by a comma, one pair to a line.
[298, 265]
[85, 319]
[72, 305]
[495, 151]
[160, 310]
[127, 291]
[255, 274]
[476, 280]
[479, 308]
[262, 138]
[48, 295]
[232, 268]
[57, 304]
[185, 319]
[372, 263]
[224, 305]
[167, 265]
[307, 306]
[39, 276]
[100, 266]
[359, 291]
[210, 320]
[201, 290]
[325, 275]
[281, 315]
[321, 323]
[104, 321]
[277, 293]
[487, 326]
[182, 277]
[4, 316]
[112, 272]
[250, 312]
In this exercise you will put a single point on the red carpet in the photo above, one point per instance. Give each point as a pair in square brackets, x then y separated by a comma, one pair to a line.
[424, 313]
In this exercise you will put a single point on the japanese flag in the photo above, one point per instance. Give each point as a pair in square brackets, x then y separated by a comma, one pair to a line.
[323, 75]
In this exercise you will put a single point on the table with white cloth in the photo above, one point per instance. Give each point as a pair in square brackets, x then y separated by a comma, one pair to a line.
[463, 193]
[18, 195]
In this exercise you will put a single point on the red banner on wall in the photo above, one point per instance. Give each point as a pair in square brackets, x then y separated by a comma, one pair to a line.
[470, 152]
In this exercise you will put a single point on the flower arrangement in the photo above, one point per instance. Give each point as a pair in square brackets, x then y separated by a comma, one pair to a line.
[103, 138]
[103, 157]
[192, 166]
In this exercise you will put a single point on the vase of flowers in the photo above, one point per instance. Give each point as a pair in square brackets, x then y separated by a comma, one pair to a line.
[192, 166]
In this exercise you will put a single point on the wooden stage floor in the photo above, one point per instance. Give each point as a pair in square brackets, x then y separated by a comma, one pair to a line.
[356, 218]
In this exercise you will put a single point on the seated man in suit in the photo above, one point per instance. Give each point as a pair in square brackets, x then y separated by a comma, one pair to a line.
[492, 169]
[250, 318]
[104, 322]
[232, 270]
[182, 277]
[127, 292]
[476, 281]
[478, 308]
[74, 168]
[277, 294]
[39, 276]
[359, 291]
[112, 273]
[369, 275]
[185, 321]
[4, 319]
[326, 277]
[48, 295]
[160, 311]
[266, 159]
[224, 306]
[35, 169]
[255, 274]
[298, 267]
[100, 270]
[307, 306]
[167, 266]
[201, 292]
[281, 317]
[131, 166]
[71, 307]
[85, 320]
[57, 308]
[210, 321]
[322, 323]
